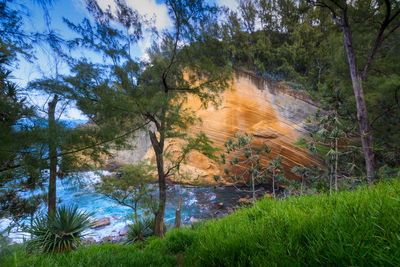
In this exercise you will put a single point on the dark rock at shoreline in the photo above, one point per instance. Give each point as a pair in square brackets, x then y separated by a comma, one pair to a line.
[193, 219]
[107, 239]
[90, 240]
[244, 200]
[124, 231]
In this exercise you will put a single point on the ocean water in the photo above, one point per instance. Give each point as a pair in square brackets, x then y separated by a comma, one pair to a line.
[198, 203]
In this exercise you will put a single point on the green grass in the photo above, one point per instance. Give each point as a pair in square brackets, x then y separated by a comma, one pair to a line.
[109, 255]
[359, 228]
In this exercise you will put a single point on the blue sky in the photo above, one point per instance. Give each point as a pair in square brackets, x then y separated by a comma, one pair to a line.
[74, 10]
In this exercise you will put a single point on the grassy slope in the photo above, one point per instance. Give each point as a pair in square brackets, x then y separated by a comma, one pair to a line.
[359, 228]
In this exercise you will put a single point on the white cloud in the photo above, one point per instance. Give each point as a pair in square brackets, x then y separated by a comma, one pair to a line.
[147, 8]
[232, 4]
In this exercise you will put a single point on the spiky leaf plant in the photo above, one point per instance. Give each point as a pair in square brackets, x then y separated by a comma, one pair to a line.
[141, 230]
[59, 232]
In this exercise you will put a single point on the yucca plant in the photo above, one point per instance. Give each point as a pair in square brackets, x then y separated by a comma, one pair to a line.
[141, 230]
[59, 232]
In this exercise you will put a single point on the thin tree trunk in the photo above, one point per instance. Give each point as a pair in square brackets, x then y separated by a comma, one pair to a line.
[362, 113]
[336, 164]
[253, 187]
[330, 183]
[273, 183]
[52, 142]
[159, 216]
[135, 210]
[159, 219]
[302, 182]
[178, 214]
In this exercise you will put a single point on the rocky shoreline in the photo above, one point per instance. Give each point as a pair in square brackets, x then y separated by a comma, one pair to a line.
[212, 209]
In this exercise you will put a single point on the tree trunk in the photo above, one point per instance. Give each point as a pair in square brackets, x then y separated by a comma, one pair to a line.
[178, 214]
[362, 113]
[159, 216]
[52, 142]
[253, 187]
[159, 219]
[330, 178]
[336, 163]
[135, 211]
[273, 183]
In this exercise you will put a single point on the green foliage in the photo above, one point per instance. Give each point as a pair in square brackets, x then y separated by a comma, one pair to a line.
[300, 44]
[332, 140]
[151, 95]
[102, 255]
[292, 41]
[61, 231]
[129, 187]
[10, 253]
[178, 240]
[247, 160]
[141, 230]
[349, 228]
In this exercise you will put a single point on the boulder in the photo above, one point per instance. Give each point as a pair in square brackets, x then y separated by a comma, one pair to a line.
[101, 223]
[124, 231]
[244, 200]
[107, 239]
[90, 240]
[193, 219]
[117, 239]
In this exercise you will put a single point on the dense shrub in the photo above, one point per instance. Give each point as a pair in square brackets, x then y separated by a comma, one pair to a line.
[141, 230]
[59, 232]
[178, 240]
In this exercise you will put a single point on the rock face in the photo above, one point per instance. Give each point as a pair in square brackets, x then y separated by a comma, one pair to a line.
[272, 112]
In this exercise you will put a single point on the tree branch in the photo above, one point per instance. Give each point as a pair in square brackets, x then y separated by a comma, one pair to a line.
[380, 37]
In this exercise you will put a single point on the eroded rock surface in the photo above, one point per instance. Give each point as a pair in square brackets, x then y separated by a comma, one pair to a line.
[272, 112]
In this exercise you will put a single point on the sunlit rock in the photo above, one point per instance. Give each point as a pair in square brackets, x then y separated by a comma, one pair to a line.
[101, 223]
[273, 112]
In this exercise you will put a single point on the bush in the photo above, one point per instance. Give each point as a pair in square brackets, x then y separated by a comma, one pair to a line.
[141, 230]
[178, 240]
[59, 232]
[9, 253]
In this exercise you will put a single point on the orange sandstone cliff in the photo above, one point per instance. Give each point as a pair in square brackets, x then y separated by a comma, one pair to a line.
[272, 112]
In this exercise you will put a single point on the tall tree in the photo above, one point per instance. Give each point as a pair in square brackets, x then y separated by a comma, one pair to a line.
[186, 61]
[20, 169]
[386, 13]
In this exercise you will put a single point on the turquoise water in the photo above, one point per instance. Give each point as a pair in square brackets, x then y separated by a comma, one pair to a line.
[198, 202]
